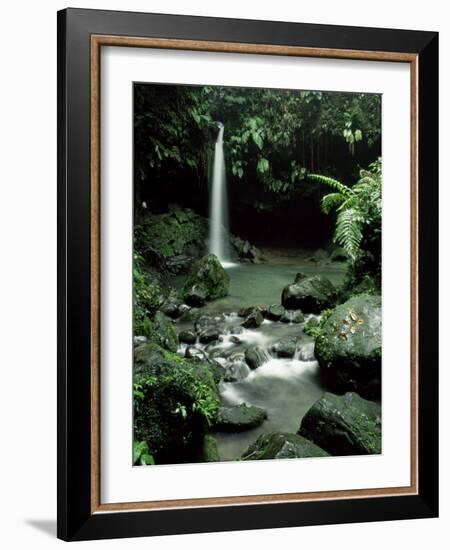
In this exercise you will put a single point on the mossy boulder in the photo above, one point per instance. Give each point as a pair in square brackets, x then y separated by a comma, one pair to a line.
[207, 280]
[344, 425]
[253, 319]
[175, 402]
[348, 347]
[164, 332]
[310, 294]
[292, 316]
[285, 347]
[179, 236]
[275, 312]
[239, 418]
[187, 337]
[282, 445]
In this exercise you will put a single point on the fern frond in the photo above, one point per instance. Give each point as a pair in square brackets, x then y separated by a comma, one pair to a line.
[348, 233]
[330, 182]
[330, 201]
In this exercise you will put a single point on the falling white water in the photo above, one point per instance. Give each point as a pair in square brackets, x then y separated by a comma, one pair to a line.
[218, 213]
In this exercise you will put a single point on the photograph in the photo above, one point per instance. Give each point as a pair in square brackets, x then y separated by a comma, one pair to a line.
[257, 246]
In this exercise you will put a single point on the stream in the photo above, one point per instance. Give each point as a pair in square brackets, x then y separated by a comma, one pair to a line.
[285, 388]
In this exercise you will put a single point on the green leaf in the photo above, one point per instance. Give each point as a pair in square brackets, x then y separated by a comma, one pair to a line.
[257, 139]
[147, 460]
[262, 166]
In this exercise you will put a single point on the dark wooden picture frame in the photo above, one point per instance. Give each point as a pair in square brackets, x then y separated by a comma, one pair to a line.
[81, 34]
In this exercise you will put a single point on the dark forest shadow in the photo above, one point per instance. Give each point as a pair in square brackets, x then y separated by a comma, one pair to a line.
[46, 526]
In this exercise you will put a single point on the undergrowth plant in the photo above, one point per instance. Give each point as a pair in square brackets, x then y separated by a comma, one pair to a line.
[358, 208]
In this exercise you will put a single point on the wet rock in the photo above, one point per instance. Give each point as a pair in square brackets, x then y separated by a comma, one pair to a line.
[254, 319]
[320, 256]
[285, 347]
[195, 354]
[171, 309]
[275, 312]
[245, 311]
[292, 316]
[237, 330]
[239, 418]
[348, 347]
[204, 322]
[338, 255]
[300, 276]
[282, 445]
[209, 335]
[236, 371]
[344, 425]
[255, 356]
[187, 337]
[235, 340]
[207, 280]
[310, 294]
[245, 251]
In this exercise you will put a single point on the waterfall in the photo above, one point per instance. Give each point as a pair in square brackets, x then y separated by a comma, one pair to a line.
[218, 212]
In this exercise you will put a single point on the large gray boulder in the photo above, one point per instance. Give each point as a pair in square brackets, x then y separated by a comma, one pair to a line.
[344, 425]
[207, 280]
[349, 347]
[240, 418]
[310, 294]
[282, 445]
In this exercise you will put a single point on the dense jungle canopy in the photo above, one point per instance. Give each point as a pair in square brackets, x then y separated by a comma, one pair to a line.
[273, 139]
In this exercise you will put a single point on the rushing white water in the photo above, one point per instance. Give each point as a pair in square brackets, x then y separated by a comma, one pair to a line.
[218, 212]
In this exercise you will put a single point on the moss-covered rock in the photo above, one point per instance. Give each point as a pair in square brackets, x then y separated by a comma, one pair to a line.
[187, 337]
[310, 294]
[179, 236]
[175, 402]
[275, 312]
[253, 319]
[282, 445]
[239, 418]
[344, 425]
[148, 296]
[207, 280]
[164, 332]
[348, 347]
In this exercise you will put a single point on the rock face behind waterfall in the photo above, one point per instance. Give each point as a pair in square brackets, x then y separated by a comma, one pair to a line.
[344, 425]
[172, 241]
[310, 294]
[282, 445]
[177, 237]
[349, 347]
[207, 280]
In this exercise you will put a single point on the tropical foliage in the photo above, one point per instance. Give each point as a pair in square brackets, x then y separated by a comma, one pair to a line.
[272, 138]
[358, 208]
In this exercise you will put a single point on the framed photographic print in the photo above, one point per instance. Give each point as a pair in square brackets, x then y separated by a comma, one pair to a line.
[247, 274]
